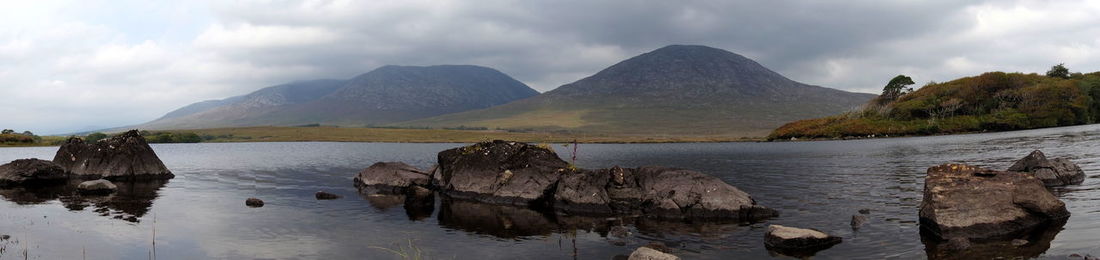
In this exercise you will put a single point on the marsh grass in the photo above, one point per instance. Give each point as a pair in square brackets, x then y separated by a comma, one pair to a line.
[409, 251]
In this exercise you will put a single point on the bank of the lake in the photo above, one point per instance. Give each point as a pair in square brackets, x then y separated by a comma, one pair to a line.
[412, 135]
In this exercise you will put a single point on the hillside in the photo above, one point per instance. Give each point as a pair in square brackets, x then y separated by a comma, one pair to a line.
[384, 95]
[994, 101]
[674, 90]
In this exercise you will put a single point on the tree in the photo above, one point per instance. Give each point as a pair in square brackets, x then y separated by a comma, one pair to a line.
[7, 131]
[1058, 71]
[895, 88]
[94, 137]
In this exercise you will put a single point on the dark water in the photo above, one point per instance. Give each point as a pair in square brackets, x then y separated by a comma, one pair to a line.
[201, 214]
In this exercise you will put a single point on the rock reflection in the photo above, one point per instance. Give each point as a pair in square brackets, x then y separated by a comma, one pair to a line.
[417, 208]
[130, 202]
[1038, 242]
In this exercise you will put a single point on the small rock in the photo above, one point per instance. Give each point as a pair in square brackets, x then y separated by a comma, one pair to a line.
[321, 195]
[1057, 172]
[797, 241]
[5, 237]
[865, 211]
[659, 247]
[419, 192]
[645, 253]
[96, 187]
[1019, 242]
[858, 221]
[254, 202]
[619, 232]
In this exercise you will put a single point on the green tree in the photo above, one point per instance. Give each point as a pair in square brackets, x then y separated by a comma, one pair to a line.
[897, 86]
[1058, 71]
[7, 131]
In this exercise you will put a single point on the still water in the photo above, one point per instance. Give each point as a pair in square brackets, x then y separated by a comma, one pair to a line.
[201, 214]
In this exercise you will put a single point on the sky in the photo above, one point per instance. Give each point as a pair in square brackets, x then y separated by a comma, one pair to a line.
[80, 65]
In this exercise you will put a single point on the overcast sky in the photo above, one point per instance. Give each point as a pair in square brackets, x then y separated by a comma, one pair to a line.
[75, 65]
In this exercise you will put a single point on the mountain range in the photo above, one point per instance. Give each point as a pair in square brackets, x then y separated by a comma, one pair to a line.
[674, 90]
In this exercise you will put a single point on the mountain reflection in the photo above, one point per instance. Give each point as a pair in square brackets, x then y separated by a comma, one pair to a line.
[130, 202]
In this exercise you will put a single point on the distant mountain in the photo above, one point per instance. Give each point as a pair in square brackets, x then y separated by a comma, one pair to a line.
[678, 89]
[385, 95]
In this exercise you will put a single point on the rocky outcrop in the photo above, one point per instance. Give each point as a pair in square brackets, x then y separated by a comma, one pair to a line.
[254, 202]
[1055, 172]
[962, 201]
[654, 191]
[500, 172]
[797, 241]
[30, 171]
[126, 156]
[645, 253]
[391, 177]
[321, 195]
[96, 187]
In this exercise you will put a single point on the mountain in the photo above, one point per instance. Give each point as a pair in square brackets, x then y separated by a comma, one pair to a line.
[678, 89]
[384, 95]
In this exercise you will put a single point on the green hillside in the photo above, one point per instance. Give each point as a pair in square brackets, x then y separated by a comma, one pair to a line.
[994, 101]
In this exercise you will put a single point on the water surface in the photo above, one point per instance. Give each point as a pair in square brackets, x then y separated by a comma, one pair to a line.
[201, 214]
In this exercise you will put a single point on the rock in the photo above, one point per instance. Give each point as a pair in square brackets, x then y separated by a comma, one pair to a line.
[618, 232]
[4, 237]
[865, 211]
[1019, 242]
[321, 195]
[655, 192]
[645, 253]
[126, 156]
[391, 177]
[858, 221]
[419, 193]
[500, 172]
[962, 201]
[96, 187]
[957, 244]
[254, 202]
[30, 171]
[1057, 172]
[797, 241]
[659, 247]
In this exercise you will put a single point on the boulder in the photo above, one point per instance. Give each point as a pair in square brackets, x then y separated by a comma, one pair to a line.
[30, 170]
[391, 177]
[1057, 172]
[254, 202]
[500, 172]
[962, 201]
[126, 156]
[96, 187]
[858, 221]
[645, 253]
[321, 195]
[656, 192]
[797, 241]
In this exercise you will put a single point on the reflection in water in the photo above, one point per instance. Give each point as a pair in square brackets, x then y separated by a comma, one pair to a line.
[416, 208]
[130, 202]
[1038, 242]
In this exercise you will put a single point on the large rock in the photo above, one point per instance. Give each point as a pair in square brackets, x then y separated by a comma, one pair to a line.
[797, 241]
[30, 170]
[123, 157]
[391, 177]
[645, 253]
[1055, 172]
[656, 192]
[962, 201]
[96, 187]
[500, 172]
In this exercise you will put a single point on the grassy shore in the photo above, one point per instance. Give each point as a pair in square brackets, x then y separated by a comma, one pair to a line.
[342, 134]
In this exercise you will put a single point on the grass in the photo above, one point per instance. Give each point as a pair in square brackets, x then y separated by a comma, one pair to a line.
[346, 134]
[46, 141]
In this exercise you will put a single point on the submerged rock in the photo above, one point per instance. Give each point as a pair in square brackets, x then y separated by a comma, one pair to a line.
[858, 221]
[656, 192]
[391, 177]
[125, 156]
[797, 242]
[645, 253]
[30, 170]
[321, 195]
[962, 201]
[500, 172]
[254, 202]
[96, 187]
[1055, 172]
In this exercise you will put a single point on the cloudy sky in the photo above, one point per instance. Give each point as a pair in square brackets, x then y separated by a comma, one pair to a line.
[75, 65]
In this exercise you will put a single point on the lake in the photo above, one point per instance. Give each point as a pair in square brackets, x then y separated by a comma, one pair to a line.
[201, 213]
